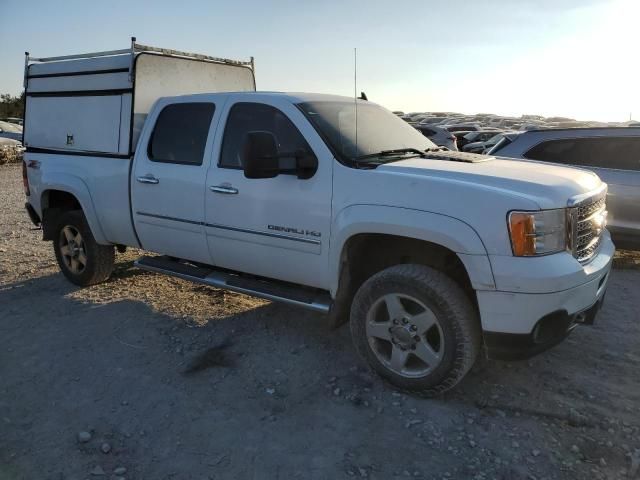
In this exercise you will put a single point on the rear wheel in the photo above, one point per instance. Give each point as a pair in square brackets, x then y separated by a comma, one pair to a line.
[81, 259]
[415, 327]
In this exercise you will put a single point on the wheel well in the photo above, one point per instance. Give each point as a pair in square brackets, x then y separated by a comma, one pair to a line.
[367, 254]
[60, 199]
[54, 203]
[364, 255]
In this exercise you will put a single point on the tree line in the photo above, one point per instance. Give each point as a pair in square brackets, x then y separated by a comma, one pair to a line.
[11, 106]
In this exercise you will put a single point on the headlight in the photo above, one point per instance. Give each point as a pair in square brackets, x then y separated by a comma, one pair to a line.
[538, 233]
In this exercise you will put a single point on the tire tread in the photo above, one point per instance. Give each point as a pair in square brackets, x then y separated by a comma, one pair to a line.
[101, 257]
[449, 297]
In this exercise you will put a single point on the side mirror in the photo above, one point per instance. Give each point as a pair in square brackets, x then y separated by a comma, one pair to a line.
[306, 164]
[260, 155]
[261, 158]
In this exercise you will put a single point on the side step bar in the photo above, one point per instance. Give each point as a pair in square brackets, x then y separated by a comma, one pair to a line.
[309, 298]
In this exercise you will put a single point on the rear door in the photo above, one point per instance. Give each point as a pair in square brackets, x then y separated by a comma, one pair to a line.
[168, 178]
[616, 160]
[273, 227]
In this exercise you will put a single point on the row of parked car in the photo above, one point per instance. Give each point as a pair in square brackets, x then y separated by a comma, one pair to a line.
[525, 122]
[467, 138]
[612, 152]
[10, 139]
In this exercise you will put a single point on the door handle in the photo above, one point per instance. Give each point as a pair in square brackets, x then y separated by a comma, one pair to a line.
[148, 179]
[228, 189]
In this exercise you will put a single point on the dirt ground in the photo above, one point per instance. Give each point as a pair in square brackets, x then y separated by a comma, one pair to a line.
[148, 377]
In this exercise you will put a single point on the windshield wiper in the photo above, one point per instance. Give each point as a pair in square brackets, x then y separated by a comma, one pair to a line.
[390, 153]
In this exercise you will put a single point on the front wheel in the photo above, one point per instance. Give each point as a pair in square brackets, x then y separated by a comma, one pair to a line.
[415, 327]
[81, 259]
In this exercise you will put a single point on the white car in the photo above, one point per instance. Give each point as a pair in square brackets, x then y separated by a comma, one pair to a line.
[10, 130]
[438, 135]
[428, 254]
[486, 145]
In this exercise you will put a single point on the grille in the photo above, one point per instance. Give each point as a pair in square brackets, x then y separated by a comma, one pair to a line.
[587, 228]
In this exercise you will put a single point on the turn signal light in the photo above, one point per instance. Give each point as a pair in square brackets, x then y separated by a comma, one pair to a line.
[523, 234]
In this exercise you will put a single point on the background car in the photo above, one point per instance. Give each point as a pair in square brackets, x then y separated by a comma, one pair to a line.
[460, 138]
[476, 136]
[14, 120]
[462, 127]
[481, 147]
[10, 130]
[431, 120]
[438, 135]
[612, 153]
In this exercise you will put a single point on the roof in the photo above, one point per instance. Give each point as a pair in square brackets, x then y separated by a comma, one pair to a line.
[293, 97]
[574, 129]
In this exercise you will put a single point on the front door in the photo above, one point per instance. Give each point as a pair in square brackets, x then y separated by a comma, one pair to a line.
[274, 227]
[168, 180]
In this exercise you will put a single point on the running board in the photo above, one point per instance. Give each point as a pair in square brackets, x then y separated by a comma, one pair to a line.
[305, 297]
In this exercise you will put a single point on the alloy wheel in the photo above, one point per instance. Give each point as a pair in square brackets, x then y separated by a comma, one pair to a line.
[405, 335]
[72, 249]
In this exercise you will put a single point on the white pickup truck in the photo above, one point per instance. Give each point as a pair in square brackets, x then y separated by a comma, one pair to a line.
[323, 202]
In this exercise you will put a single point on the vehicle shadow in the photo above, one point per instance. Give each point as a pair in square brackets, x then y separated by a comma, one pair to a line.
[261, 378]
[222, 339]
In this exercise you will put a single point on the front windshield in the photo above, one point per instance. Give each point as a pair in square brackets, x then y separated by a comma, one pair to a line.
[495, 138]
[378, 129]
[471, 136]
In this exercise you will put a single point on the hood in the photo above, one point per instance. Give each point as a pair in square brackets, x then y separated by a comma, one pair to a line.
[549, 186]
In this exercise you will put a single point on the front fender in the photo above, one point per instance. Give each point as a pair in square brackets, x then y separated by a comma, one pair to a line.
[75, 186]
[442, 230]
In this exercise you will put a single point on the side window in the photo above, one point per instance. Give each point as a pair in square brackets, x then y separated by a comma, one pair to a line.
[250, 117]
[557, 151]
[180, 133]
[601, 152]
[622, 153]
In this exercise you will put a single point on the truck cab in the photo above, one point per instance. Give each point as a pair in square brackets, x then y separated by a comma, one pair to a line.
[338, 206]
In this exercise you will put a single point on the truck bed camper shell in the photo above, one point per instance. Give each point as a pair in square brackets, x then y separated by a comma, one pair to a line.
[96, 103]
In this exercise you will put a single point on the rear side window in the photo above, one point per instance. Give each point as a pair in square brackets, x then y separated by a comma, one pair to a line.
[251, 117]
[621, 153]
[180, 133]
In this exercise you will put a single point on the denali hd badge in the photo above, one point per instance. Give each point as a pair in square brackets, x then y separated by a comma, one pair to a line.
[299, 231]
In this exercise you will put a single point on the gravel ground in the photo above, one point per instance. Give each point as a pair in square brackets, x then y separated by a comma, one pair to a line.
[148, 377]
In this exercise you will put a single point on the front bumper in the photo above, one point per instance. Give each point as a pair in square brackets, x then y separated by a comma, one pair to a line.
[521, 324]
[548, 332]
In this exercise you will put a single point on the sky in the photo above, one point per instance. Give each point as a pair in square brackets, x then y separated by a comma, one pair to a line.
[575, 58]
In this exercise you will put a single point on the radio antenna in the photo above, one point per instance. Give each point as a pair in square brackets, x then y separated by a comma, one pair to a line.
[355, 90]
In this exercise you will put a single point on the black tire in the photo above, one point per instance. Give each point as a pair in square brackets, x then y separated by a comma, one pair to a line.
[457, 327]
[98, 258]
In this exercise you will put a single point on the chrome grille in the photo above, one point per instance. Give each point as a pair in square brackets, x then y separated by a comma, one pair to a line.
[587, 225]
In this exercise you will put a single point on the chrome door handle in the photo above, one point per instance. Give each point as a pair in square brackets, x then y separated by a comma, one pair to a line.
[223, 189]
[148, 179]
